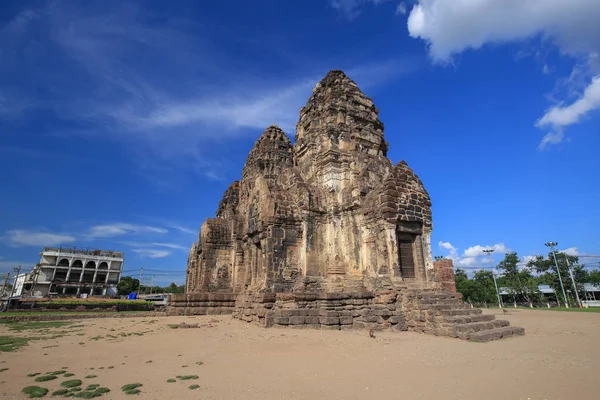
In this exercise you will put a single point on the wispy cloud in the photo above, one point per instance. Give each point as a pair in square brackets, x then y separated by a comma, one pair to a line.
[146, 81]
[174, 246]
[152, 253]
[351, 9]
[23, 237]
[122, 228]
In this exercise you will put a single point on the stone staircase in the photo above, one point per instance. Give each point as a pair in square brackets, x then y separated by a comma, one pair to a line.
[437, 312]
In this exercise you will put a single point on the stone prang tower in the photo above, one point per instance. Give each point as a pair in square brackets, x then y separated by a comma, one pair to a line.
[327, 232]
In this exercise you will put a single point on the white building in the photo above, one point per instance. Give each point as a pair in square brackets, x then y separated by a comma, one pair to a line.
[73, 271]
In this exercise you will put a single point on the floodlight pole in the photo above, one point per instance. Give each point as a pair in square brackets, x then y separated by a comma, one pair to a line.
[551, 245]
[573, 281]
[489, 252]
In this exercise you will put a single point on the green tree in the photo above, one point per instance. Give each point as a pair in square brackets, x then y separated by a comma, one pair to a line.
[485, 286]
[127, 284]
[480, 289]
[594, 277]
[519, 283]
[546, 267]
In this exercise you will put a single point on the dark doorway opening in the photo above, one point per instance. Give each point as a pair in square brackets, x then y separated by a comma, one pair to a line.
[406, 258]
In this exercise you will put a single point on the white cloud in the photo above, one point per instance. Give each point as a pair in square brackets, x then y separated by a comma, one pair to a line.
[23, 237]
[473, 257]
[572, 251]
[453, 253]
[152, 253]
[559, 117]
[121, 228]
[476, 251]
[450, 27]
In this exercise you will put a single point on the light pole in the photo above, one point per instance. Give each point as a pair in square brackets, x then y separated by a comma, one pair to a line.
[489, 252]
[573, 281]
[551, 245]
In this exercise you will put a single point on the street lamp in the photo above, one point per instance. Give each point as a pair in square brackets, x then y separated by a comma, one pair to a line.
[489, 252]
[551, 245]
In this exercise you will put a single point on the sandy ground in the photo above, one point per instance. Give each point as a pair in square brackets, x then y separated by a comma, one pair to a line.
[558, 358]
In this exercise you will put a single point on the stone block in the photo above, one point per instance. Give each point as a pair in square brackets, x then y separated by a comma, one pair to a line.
[346, 320]
[298, 320]
[329, 321]
[312, 320]
[281, 320]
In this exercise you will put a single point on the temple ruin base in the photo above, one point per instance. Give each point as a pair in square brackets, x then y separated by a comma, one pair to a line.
[431, 310]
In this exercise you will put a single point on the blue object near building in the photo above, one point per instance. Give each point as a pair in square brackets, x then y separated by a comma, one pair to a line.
[132, 296]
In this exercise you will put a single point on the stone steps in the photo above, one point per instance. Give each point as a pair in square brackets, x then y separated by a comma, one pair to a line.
[463, 331]
[495, 334]
[452, 317]
[466, 319]
[455, 312]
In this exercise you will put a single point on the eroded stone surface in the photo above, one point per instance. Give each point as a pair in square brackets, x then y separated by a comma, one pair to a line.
[325, 232]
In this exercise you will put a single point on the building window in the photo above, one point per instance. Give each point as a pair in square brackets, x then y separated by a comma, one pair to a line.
[103, 265]
[90, 265]
[77, 264]
[63, 263]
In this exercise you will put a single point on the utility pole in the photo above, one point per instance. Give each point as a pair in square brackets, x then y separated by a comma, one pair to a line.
[12, 290]
[551, 245]
[5, 283]
[573, 281]
[151, 284]
[489, 252]
[140, 285]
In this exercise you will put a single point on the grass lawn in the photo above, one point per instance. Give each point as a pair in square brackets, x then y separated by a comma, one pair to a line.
[589, 310]
[13, 313]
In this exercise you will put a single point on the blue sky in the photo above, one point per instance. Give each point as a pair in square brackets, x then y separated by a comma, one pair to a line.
[122, 123]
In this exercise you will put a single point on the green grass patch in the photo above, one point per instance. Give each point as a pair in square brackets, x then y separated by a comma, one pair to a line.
[60, 392]
[68, 374]
[45, 378]
[62, 371]
[194, 387]
[171, 380]
[131, 386]
[96, 337]
[187, 377]
[3, 369]
[91, 376]
[173, 326]
[12, 343]
[34, 325]
[199, 363]
[71, 383]
[35, 392]
[33, 374]
[132, 391]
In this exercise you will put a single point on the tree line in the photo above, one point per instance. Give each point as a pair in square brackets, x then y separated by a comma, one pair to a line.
[128, 284]
[521, 281]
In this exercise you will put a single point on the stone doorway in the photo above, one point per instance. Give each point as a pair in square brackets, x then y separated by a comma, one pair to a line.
[405, 256]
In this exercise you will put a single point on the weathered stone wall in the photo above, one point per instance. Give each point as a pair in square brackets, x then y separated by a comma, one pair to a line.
[201, 303]
[337, 311]
[444, 274]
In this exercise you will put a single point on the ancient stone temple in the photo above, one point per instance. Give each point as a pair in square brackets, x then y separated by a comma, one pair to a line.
[327, 232]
